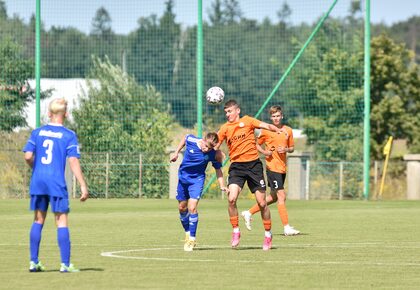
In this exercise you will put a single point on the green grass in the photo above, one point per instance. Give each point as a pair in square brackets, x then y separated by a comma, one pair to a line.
[345, 244]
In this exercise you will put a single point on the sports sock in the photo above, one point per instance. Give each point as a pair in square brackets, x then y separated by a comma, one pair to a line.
[267, 224]
[193, 221]
[255, 208]
[283, 214]
[184, 218]
[35, 240]
[234, 221]
[63, 238]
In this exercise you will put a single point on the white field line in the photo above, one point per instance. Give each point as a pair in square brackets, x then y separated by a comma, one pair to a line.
[120, 255]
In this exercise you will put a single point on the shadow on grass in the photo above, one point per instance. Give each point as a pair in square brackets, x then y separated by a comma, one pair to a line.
[81, 270]
[291, 236]
[243, 248]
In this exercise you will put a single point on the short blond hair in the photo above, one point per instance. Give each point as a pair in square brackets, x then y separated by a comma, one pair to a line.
[212, 138]
[58, 106]
[274, 109]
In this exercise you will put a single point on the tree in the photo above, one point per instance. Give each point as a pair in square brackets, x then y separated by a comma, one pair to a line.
[395, 95]
[216, 13]
[232, 11]
[101, 24]
[118, 115]
[284, 13]
[14, 89]
[3, 10]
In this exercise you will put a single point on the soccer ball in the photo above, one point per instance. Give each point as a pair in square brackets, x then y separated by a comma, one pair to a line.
[215, 95]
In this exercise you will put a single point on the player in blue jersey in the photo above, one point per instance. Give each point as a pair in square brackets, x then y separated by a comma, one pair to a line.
[46, 153]
[192, 173]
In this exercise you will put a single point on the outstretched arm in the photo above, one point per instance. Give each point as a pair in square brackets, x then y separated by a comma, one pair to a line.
[174, 156]
[77, 171]
[272, 128]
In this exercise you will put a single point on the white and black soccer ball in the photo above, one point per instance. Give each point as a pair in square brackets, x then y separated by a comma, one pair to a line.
[215, 95]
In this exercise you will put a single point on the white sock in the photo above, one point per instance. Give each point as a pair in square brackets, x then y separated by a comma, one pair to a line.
[268, 234]
[236, 230]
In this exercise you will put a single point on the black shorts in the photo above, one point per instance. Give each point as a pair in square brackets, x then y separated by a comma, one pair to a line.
[276, 180]
[251, 172]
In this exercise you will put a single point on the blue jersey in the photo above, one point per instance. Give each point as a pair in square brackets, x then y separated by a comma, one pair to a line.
[51, 145]
[195, 161]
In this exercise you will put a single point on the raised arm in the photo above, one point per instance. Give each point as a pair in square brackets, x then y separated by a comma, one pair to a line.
[77, 171]
[174, 156]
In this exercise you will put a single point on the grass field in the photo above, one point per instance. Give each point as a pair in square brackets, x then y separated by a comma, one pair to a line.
[344, 244]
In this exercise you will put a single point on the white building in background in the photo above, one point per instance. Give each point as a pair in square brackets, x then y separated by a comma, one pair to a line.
[70, 89]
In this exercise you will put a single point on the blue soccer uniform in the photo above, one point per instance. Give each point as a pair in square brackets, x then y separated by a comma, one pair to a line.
[51, 145]
[192, 172]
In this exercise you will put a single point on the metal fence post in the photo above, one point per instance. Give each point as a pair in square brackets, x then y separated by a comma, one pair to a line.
[308, 172]
[340, 190]
[106, 175]
[140, 174]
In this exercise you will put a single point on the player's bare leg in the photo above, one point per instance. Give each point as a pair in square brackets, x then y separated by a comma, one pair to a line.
[247, 214]
[266, 218]
[234, 191]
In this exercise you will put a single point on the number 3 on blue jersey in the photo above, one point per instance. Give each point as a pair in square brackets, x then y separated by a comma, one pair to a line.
[49, 145]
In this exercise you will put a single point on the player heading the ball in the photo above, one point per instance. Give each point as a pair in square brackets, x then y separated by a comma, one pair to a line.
[191, 176]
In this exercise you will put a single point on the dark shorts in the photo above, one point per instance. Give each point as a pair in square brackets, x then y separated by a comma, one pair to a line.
[251, 172]
[276, 180]
[41, 202]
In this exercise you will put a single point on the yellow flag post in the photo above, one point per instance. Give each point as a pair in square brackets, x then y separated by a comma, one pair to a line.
[387, 153]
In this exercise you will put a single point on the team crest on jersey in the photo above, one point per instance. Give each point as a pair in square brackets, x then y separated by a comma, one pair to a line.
[241, 124]
[206, 157]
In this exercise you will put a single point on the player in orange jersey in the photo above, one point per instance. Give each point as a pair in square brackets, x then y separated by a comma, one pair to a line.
[245, 166]
[276, 148]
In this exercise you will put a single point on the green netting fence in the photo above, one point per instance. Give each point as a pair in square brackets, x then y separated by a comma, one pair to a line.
[131, 81]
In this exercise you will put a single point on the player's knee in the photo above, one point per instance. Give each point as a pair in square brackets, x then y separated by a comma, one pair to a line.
[262, 203]
[281, 196]
[274, 197]
[232, 201]
[182, 208]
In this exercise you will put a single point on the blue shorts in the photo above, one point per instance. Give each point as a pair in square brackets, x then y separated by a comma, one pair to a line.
[187, 190]
[58, 204]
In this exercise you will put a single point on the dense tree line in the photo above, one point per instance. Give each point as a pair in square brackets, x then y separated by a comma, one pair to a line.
[323, 94]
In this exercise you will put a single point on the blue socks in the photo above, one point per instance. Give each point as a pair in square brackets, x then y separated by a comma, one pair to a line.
[193, 222]
[184, 217]
[189, 222]
[63, 238]
[34, 241]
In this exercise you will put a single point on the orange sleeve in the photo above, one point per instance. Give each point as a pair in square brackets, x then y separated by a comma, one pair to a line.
[221, 134]
[261, 138]
[255, 123]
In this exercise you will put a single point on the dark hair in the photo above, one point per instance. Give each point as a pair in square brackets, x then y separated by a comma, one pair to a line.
[274, 109]
[231, 103]
[212, 137]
